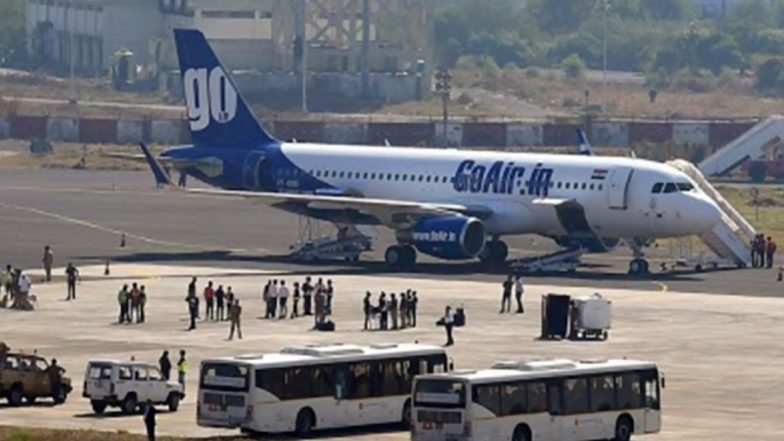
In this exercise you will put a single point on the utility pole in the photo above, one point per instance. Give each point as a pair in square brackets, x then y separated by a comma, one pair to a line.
[444, 87]
[300, 50]
[72, 51]
[604, 44]
[365, 48]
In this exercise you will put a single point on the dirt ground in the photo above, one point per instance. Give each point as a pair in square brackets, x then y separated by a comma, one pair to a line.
[721, 354]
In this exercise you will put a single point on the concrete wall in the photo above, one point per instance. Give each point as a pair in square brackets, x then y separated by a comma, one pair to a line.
[690, 133]
[165, 131]
[5, 128]
[130, 132]
[345, 133]
[454, 134]
[610, 134]
[62, 129]
[524, 135]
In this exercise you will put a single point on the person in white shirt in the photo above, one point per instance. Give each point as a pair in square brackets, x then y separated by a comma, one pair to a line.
[283, 295]
[449, 322]
[519, 294]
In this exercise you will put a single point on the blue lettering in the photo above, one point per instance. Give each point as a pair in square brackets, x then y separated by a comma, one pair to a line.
[492, 178]
[545, 176]
[477, 176]
[517, 172]
[460, 180]
[503, 186]
[531, 183]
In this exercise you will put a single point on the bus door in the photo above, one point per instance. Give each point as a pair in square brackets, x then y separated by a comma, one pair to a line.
[652, 401]
[345, 409]
[555, 404]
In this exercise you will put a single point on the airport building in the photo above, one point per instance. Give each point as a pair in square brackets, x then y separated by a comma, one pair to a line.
[375, 49]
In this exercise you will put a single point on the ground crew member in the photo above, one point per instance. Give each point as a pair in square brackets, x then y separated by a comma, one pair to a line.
[393, 310]
[149, 420]
[412, 307]
[367, 308]
[142, 304]
[307, 295]
[220, 302]
[193, 309]
[192, 291]
[165, 365]
[519, 294]
[209, 299]
[235, 313]
[295, 301]
[122, 299]
[506, 297]
[449, 322]
[182, 368]
[770, 250]
[71, 274]
[283, 295]
[48, 261]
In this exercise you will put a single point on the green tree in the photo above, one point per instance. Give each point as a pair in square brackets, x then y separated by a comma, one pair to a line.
[669, 9]
[770, 75]
[12, 28]
[559, 16]
[573, 67]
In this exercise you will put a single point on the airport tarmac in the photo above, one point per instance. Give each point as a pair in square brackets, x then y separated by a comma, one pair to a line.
[721, 355]
[84, 213]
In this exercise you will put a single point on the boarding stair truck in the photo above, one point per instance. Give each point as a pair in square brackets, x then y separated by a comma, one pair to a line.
[760, 147]
[731, 238]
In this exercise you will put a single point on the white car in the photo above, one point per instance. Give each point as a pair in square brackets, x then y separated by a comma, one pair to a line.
[128, 385]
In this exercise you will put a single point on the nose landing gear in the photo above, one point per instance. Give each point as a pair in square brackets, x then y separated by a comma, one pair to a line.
[638, 266]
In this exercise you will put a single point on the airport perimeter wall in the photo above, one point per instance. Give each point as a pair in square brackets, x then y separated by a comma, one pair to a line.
[712, 134]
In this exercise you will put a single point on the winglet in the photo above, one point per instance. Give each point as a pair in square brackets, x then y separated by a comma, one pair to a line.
[161, 177]
[585, 146]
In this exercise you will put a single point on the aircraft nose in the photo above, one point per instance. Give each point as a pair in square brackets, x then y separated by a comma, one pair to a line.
[703, 212]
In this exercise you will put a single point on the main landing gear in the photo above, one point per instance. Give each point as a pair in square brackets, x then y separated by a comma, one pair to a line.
[495, 252]
[638, 266]
[400, 256]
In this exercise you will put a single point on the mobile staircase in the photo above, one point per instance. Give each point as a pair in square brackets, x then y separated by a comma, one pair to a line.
[731, 238]
[751, 145]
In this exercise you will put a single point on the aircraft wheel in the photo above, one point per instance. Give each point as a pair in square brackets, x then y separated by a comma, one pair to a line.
[638, 267]
[398, 256]
[495, 251]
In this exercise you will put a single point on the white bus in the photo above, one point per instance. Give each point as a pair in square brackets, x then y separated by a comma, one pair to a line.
[307, 388]
[539, 400]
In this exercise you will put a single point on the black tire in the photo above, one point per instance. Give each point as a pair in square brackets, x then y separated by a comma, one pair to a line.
[500, 251]
[624, 428]
[521, 433]
[30, 399]
[393, 256]
[15, 395]
[408, 256]
[99, 407]
[59, 395]
[173, 401]
[129, 404]
[305, 423]
[405, 418]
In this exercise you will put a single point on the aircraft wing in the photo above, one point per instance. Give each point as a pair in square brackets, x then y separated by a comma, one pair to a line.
[393, 213]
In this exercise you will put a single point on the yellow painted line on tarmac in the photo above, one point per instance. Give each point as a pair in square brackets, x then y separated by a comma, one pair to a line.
[128, 235]
[661, 285]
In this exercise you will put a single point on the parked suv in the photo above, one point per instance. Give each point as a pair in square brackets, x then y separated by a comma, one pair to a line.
[29, 377]
[128, 385]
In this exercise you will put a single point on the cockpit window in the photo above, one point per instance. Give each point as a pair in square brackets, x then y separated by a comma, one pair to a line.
[657, 188]
[670, 188]
[685, 186]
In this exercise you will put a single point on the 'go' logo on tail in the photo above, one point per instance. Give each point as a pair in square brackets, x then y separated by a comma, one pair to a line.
[209, 94]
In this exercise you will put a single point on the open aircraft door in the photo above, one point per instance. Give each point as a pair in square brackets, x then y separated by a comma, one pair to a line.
[252, 170]
[618, 187]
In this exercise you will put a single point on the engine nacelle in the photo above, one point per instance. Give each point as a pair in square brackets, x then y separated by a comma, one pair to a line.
[449, 237]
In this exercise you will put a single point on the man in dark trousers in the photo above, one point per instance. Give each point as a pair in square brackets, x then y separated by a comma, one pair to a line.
[307, 297]
[71, 274]
[412, 308]
[165, 364]
[235, 314]
[449, 322]
[519, 289]
[149, 420]
[367, 308]
[192, 291]
[770, 251]
[506, 297]
[220, 303]
[182, 368]
[193, 309]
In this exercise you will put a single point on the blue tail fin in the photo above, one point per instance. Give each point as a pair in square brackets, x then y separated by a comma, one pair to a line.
[585, 146]
[217, 114]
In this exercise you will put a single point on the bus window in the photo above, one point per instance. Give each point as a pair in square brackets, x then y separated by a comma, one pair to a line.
[224, 376]
[537, 397]
[627, 388]
[651, 379]
[360, 380]
[576, 395]
[555, 397]
[271, 380]
[320, 382]
[440, 393]
[488, 397]
[296, 383]
[602, 393]
[513, 399]
[340, 386]
[436, 363]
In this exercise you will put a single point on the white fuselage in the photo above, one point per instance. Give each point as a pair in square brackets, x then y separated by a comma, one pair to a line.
[522, 190]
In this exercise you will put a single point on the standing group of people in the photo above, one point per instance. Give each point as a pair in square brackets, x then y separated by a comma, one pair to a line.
[220, 305]
[132, 303]
[762, 251]
[391, 313]
[512, 283]
[16, 286]
[316, 299]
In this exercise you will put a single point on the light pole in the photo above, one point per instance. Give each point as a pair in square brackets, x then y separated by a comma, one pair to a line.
[604, 44]
[444, 87]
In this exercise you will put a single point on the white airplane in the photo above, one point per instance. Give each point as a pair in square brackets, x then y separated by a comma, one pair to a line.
[446, 203]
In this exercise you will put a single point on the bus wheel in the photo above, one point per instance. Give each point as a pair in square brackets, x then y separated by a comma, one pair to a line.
[624, 428]
[521, 433]
[306, 420]
[405, 419]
